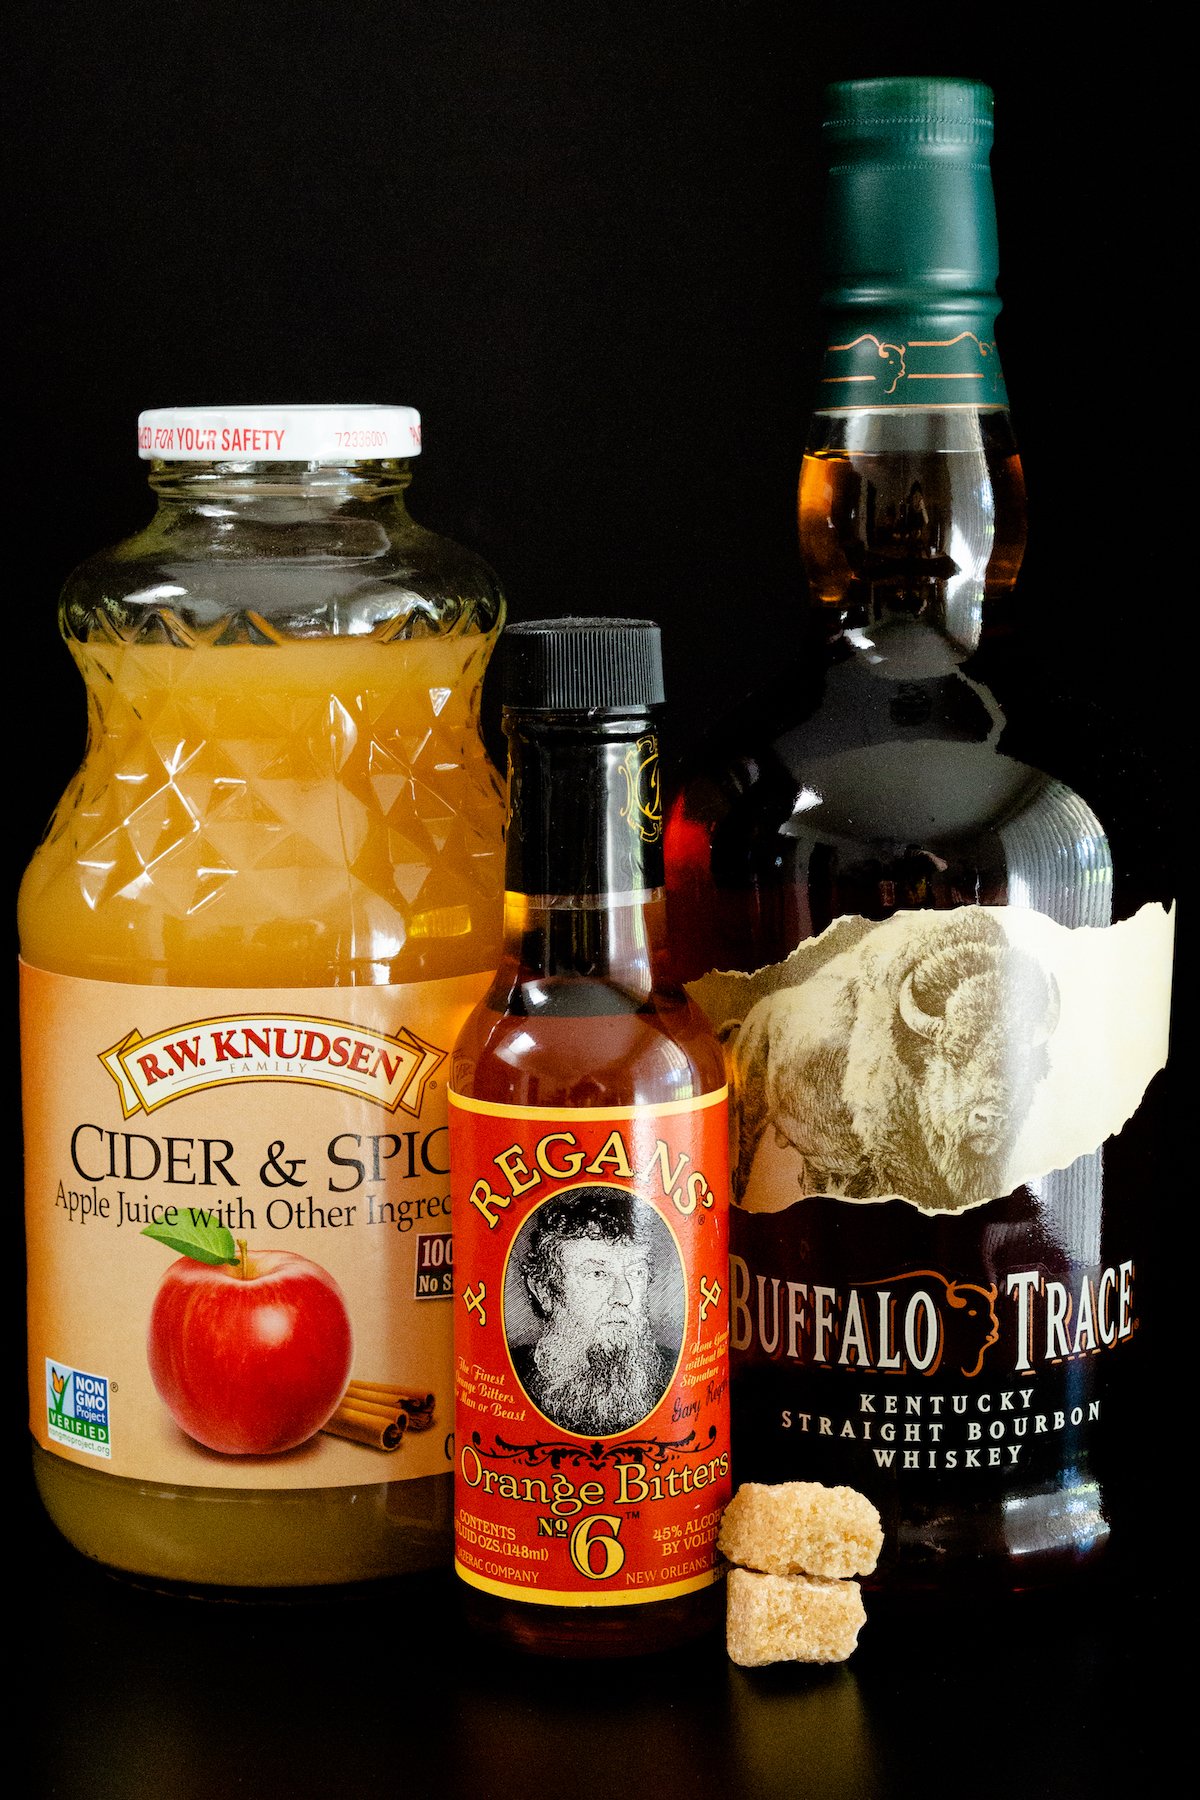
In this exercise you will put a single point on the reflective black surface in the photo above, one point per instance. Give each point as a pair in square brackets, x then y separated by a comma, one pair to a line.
[132, 1695]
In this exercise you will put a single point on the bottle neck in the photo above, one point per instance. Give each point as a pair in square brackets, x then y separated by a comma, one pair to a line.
[584, 852]
[912, 527]
[909, 301]
[271, 490]
[912, 504]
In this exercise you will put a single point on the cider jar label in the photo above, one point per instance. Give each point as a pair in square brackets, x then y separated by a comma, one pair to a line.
[238, 1227]
[942, 1127]
[591, 1349]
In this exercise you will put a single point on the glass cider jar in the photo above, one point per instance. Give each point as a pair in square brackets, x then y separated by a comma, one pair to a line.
[264, 906]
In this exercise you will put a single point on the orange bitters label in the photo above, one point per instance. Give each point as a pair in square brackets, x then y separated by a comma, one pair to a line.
[591, 1349]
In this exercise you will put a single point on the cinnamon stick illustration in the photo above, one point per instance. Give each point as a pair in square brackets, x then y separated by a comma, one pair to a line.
[417, 1404]
[378, 1413]
[378, 1428]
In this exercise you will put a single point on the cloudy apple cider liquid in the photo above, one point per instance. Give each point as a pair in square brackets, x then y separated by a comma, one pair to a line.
[259, 917]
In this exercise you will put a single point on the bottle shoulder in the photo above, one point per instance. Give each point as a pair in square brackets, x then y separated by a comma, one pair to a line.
[867, 749]
[293, 572]
[825, 742]
[586, 1044]
[869, 793]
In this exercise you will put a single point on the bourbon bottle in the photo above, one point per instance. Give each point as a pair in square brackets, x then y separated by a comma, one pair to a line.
[590, 1171]
[927, 904]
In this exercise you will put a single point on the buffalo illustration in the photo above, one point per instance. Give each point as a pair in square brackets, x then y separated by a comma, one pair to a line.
[904, 1066]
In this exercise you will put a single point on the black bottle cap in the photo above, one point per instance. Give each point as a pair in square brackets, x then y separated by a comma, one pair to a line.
[582, 665]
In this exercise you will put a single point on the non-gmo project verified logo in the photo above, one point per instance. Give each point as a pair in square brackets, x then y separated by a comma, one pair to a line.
[77, 1409]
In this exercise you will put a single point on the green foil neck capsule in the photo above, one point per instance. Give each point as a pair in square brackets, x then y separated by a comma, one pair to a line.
[909, 304]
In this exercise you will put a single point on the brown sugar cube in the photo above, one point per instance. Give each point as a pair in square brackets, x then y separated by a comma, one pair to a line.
[801, 1528]
[790, 1618]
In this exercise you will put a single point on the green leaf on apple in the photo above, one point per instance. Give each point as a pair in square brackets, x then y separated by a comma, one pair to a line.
[197, 1234]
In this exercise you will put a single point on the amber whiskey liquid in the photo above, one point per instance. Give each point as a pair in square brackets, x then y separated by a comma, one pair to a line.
[925, 503]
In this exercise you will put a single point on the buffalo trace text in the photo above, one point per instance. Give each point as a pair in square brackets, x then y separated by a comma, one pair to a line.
[906, 1327]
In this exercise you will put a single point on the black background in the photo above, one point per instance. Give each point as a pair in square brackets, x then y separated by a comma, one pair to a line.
[582, 240]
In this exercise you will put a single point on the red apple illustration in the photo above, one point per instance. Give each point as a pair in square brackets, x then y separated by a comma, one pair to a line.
[250, 1356]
